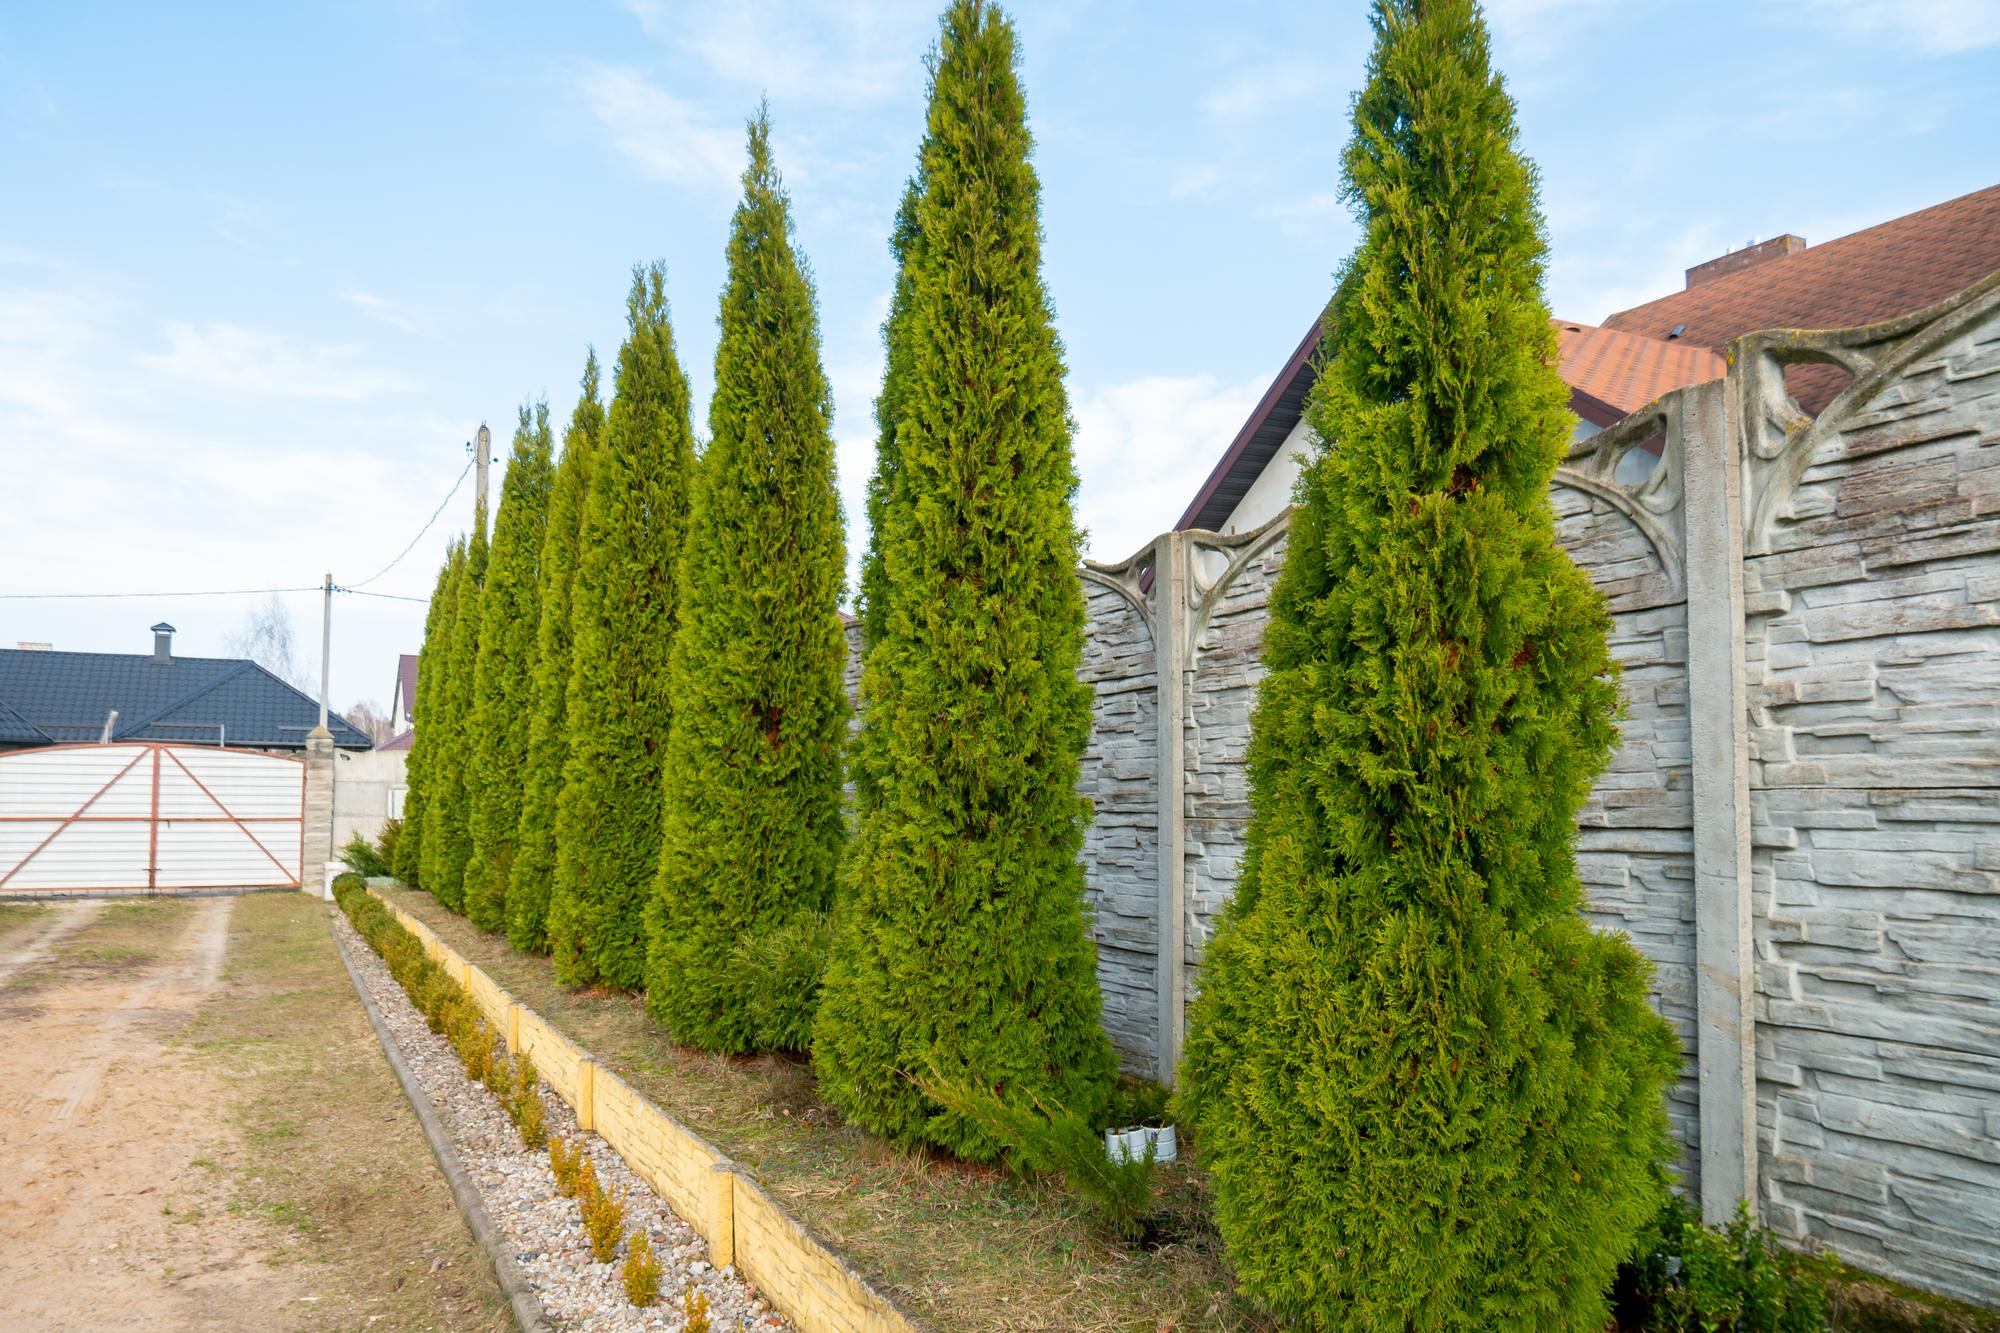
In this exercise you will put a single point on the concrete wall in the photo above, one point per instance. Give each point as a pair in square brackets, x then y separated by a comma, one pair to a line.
[1801, 828]
[368, 788]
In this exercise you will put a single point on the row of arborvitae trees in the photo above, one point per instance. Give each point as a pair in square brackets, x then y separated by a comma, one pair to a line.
[1429, 1095]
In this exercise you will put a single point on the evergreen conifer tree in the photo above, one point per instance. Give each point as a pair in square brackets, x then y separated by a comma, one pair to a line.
[409, 844]
[503, 707]
[752, 821]
[1429, 1094]
[456, 772]
[624, 613]
[961, 950]
[866, 752]
[541, 788]
[436, 696]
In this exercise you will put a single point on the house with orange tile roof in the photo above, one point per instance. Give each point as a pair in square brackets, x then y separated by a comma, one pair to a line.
[1634, 356]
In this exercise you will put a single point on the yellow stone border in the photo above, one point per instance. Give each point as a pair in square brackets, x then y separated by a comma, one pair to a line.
[794, 1269]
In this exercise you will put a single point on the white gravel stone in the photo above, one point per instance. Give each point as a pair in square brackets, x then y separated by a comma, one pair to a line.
[541, 1227]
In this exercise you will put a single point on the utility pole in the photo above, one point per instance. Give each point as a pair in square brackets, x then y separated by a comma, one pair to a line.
[325, 647]
[483, 444]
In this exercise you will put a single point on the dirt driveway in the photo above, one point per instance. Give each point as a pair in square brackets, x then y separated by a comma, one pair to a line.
[132, 1153]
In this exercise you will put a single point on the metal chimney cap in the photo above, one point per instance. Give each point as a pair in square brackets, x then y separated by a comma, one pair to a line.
[163, 628]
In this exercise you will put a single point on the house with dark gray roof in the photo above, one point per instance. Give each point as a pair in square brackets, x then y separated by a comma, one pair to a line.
[63, 698]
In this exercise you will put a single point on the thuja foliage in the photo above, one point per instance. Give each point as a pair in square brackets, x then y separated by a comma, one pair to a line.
[752, 825]
[459, 760]
[641, 1273]
[407, 864]
[867, 750]
[1429, 1094]
[438, 733]
[447, 1007]
[961, 946]
[548, 731]
[503, 683]
[623, 614]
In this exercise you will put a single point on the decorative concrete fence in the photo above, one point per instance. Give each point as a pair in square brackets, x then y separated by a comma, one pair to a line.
[799, 1273]
[1801, 828]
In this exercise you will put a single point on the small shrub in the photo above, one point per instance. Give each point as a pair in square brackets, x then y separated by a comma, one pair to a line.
[583, 1181]
[1046, 1139]
[1687, 1278]
[362, 859]
[778, 978]
[1136, 1101]
[642, 1271]
[1740, 1279]
[386, 843]
[525, 1107]
[565, 1160]
[603, 1219]
[694, 1311]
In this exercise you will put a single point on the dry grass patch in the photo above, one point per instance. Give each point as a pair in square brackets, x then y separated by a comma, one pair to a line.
[328, 1148]
[964, 1247]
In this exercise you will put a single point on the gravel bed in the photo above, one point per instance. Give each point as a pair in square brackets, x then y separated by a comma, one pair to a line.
[542, 1227]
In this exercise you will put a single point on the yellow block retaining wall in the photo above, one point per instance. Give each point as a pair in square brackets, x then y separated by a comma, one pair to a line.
[796, 1271]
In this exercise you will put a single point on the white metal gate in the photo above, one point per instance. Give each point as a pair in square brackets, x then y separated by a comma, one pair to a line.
[149, 817]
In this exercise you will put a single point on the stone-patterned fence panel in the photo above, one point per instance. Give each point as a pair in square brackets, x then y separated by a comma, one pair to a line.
[1801, 827]
[1872, 590]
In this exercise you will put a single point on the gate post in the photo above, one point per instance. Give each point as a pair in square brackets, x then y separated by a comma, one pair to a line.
[317, 844]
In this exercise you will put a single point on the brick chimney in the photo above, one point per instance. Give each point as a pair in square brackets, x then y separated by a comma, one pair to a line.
[163, 643]
[1751, 255]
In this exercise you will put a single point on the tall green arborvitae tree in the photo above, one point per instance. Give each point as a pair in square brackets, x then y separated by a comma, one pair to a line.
[548, 743]
[753, 825]
[416, 779]
[448, 835]
[961, 949]
[436, 697]
[866, 751]
[1429, 1094]
[510, 619]
[624, 611]
[874, 591]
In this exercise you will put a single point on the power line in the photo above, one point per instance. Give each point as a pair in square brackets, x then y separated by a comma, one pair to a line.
[356, 588]
[98, 596]
[391, 596]
[420, 533]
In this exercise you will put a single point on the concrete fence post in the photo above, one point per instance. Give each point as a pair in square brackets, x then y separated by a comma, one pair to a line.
[317, 845]
[1726, 1051]
[1170, 630]
[586, 1094]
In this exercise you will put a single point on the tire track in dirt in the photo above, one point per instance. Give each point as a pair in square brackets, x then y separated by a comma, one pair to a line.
[102, 1144]
[65, 921]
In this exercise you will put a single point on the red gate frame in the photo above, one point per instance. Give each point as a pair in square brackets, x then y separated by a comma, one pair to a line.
[155, 749]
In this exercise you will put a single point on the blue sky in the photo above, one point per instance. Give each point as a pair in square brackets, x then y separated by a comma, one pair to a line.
[263, 269]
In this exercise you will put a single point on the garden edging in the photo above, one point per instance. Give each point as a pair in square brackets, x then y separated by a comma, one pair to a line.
[800, 1274]
[526, 1306]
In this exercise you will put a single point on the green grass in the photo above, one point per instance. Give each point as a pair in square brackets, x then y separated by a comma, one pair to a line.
[327, 1149]
[964, 1247]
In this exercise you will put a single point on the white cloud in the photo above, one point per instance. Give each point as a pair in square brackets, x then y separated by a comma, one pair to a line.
[1934, 27]
[1260, 88]
[382, 310]
[855, 54]
[1195, 181]
[1143, 448]
[182, 471]
[1537, 30]
[239, 360]
[1306, 215]
[663, 135]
